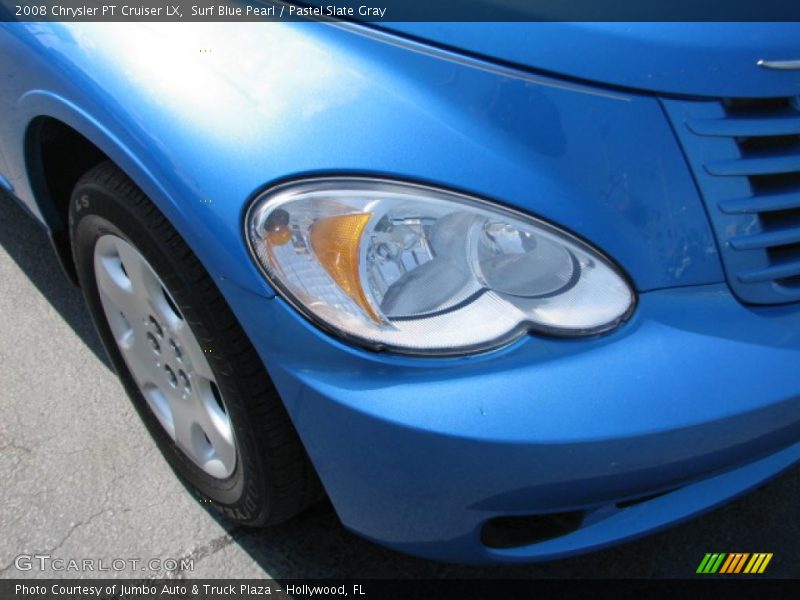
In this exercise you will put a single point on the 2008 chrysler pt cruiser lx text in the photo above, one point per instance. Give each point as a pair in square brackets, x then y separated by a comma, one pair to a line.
[502, 292]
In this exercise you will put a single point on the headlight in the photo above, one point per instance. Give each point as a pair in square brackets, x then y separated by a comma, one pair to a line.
[426, 271]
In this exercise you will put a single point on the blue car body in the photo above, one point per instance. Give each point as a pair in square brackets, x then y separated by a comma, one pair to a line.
[597, 128]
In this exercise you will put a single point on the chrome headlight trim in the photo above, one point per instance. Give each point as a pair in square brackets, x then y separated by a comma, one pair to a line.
[286, 192]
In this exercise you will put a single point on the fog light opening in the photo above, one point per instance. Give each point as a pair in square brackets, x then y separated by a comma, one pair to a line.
[511, 532]
[642, 499]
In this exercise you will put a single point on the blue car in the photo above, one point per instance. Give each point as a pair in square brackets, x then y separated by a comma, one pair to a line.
[502, 292]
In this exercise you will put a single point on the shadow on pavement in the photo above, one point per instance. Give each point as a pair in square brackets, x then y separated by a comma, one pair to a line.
[27, 244]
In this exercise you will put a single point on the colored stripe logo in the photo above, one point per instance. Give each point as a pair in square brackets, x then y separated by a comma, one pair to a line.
[734, 562]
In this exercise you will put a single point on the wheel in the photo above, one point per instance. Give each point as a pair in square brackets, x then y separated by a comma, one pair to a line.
[186, 364]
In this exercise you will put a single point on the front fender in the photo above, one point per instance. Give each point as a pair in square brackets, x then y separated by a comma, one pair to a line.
[203, 116]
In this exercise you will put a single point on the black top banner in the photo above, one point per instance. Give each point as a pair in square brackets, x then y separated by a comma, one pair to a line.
[398, 10]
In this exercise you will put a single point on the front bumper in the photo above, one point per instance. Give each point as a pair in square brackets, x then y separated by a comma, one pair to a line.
[697, 393]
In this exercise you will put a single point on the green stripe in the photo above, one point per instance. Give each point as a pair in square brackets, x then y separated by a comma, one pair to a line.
[711, 562]
[718, 564]
[701, 568]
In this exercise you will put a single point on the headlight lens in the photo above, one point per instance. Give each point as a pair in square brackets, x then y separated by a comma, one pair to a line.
[426, 271]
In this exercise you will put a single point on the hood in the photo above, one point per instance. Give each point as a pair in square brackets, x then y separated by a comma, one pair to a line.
[697, 59]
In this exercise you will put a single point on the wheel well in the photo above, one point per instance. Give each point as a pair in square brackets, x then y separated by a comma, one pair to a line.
[56, 157]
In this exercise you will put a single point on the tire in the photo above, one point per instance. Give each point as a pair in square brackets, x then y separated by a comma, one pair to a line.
[220, 424]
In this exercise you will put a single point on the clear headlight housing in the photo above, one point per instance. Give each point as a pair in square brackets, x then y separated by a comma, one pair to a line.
[426, 271]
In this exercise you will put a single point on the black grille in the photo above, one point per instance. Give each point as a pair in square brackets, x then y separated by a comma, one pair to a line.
[745, 154]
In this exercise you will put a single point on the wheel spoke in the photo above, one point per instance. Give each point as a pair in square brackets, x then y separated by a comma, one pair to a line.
[186, 434]
[145, 283]
[224, 452]
[114, 285]
[161, 408]
[144, 370]
[192, 352]
[216, 425]
[163, 308]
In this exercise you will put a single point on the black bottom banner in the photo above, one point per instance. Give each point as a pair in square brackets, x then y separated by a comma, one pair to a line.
[378, 589]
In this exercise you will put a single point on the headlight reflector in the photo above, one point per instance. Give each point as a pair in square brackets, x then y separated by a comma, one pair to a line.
[427, 271]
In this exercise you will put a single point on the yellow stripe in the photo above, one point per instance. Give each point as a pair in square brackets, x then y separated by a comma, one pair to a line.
[757, 563]
[765, 563]
[743, 558]
[749, 568]
[727, 563]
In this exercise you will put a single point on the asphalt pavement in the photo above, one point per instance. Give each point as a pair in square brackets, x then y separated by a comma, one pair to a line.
[80, 478]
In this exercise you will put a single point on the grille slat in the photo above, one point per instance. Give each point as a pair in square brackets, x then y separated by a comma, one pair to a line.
[782, 237]
[765, 203]
[784, 271]
[745, 155]
[770, 165]
[752, 127]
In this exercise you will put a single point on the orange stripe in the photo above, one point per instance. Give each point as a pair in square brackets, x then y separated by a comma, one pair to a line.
[736, 562]
[727, 563]
[743, 558]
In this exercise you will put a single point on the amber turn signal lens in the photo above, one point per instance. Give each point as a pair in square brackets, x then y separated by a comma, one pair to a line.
[279, 236]
[336, 241]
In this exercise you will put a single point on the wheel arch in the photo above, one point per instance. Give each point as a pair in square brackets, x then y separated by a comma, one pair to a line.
[60, 143]
[56, 156]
